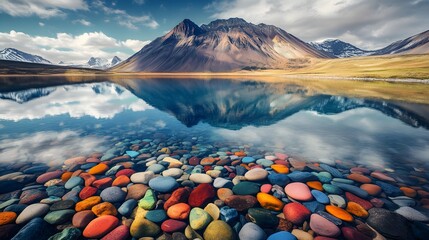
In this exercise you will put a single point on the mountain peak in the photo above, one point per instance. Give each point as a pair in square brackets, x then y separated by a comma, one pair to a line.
[230, 22]
[14, 54]
[115, 60]
[187, 28]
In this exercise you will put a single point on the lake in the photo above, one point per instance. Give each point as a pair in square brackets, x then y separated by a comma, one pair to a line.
[52, 123]
[138, 150]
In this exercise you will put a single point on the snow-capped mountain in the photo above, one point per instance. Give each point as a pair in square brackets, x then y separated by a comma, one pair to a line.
[339, 48]
[417, 44]
[222, 45]
[96, 63]
[13, 54]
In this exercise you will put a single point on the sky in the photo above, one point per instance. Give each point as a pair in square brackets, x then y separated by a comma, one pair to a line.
[74, 30]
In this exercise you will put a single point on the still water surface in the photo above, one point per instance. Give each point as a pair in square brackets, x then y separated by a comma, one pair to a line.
[51, 124]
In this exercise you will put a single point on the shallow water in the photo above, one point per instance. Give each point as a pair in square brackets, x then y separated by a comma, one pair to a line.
[50, 124]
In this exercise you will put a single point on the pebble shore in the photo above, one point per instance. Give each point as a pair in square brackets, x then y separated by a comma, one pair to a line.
[165, 189]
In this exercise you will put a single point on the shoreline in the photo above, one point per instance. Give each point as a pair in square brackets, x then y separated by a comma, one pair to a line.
[233, 75]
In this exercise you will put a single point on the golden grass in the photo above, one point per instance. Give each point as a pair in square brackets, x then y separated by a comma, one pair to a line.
[404, 66]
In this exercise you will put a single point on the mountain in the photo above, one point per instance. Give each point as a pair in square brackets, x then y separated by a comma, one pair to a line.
[115, 61]
[96, 63]
[339, 48]
[235, 104]
[13, 54]
[417, 44]
[222, 45]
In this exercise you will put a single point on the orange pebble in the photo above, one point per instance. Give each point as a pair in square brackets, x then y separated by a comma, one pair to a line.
[339, 213]
[359, 178]
[88, 203]
[315, 185]
[7, 217]
[280, 168]
[356, 210]
[240, 154]
[409, 192]
[98, 169]
[121, 181]
[66, 176]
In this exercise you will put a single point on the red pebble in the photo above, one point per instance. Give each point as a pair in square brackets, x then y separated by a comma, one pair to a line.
[350, 233]
[100, 226]
[103, 183]
[89, 179]
[296, 213]
[180, 195]
[171, 225]
[120, 233]
[201, 195]
[194, 161]
[126, 172]
[207, 168]
[87, 192]
[364, 203]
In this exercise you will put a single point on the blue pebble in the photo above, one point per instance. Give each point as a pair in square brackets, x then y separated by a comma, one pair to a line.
[156, 216]
[73, 182]
[278, 179]
[283, 235]
[127, 207]
[332, 189]
[298, 176]
[320, 196]
[330, 217]
[113, 195]
[314, 206]
[248, 160]
[333, 171]
[389, 189]
[228, 215]
[240, 171]
[343, 180]
[156, 168]
[353, 189]
[87, 166]
[163, 184]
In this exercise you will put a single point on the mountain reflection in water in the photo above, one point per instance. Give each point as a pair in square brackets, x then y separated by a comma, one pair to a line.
[288, 116]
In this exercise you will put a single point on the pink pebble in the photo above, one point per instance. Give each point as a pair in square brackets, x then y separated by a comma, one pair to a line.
[281, 156]
[266, 188]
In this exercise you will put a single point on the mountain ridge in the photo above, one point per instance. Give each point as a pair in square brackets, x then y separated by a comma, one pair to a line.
[13, 54]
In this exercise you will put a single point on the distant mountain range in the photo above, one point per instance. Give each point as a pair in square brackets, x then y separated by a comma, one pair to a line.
[13, 54]
[417, 44]
[229, 45]
[96, 63]
[339, 48]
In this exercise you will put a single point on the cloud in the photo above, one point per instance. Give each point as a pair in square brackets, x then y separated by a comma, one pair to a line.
[41, 8]
[362, 135]
[139, 2]
[83, 22]
[50, 147]
[98, 100]
[70, 48]
[367, 24]
[125, 19]
[135, 45]
[41, 24]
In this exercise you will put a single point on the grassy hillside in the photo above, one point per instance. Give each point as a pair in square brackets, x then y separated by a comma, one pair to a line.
[404, 66]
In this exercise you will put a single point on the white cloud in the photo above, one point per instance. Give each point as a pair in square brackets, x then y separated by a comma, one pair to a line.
[345, 136]
[367, 24]
[76, 101]
[135, 45]
[41, 24]
[83, 22]
[125, 19]
[50, 147]
[139, 2]
[70, 48]
[41, 8]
